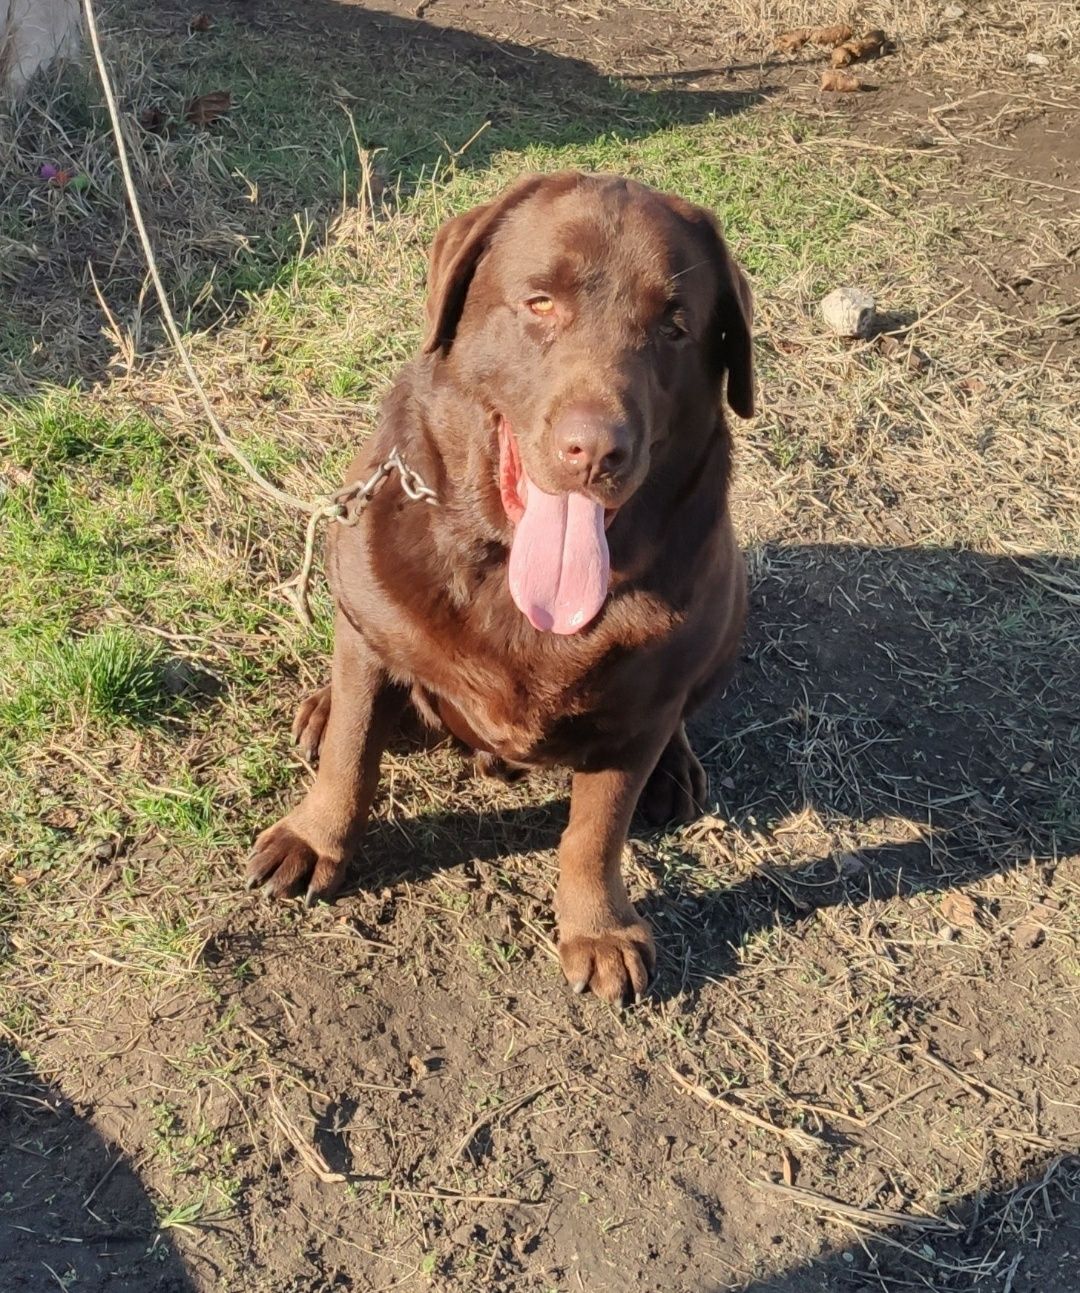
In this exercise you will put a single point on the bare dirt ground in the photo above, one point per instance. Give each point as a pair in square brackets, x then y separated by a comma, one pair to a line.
[860, 1068]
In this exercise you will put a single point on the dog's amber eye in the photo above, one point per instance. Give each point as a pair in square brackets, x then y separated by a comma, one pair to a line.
[541, 305]
[673, 325]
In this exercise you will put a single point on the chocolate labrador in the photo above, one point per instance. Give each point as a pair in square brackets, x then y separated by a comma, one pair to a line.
[578, 589]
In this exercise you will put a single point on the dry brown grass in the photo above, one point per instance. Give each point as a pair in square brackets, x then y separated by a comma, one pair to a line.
[988, 44]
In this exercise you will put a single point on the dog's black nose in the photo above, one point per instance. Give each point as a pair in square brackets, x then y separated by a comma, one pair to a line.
[591, 443]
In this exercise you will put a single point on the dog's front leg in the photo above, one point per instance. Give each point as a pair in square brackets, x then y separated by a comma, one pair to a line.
[603, 943]
[308, 850]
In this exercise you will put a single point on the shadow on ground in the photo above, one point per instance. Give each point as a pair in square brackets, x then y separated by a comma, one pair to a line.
[926, 686]
[1026, 1240]
[73, 1213]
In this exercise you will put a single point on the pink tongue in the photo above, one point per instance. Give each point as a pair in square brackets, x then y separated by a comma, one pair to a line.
[559, 560]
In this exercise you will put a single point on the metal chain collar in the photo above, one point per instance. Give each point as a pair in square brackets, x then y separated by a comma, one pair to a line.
[362, 492]
[335, 507]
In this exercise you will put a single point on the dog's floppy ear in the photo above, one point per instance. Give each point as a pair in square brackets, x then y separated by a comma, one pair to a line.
[733, 333]
[455, 254]
[729, 339]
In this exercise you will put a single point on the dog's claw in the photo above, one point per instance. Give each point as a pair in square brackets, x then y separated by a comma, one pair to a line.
[311, 898]
[614, 964]
[251, 882]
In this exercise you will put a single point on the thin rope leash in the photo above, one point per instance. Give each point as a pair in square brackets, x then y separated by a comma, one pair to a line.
[333, 506]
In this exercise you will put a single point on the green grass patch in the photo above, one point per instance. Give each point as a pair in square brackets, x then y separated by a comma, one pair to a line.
[111, 676]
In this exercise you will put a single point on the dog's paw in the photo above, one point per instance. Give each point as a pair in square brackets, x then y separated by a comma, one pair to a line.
[490, 765]
[285, 863]
[310, 722]
[616, 964]
[678, 789]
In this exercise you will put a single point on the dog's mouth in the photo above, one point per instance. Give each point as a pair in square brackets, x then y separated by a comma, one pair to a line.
[559, 562]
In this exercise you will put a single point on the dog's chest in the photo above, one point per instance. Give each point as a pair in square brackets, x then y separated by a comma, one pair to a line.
[450, 630]
[536, 698]
[522, 711]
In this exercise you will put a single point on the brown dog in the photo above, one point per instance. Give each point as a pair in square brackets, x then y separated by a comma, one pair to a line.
[578, 589]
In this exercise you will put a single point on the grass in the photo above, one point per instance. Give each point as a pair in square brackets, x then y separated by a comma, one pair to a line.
[902, 728]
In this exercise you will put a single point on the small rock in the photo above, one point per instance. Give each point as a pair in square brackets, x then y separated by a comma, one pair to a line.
[1035, 59]
[106, 850]
[849, 311]
[851, 864]
[1031, 931]
[953, 12]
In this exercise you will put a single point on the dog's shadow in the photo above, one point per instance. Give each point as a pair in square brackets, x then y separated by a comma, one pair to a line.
[928, 695]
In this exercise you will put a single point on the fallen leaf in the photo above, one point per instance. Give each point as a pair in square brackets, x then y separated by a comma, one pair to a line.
[265, 344]
[840, 82]
[62, 818]
[834, 35]
[20, 879]
[790, 42]
[1031, 930]
[918, 361]
[1035, 59]
[971, 385]
[420, 1067]
[201, 22]
[960, 910]
[787, 346]
[17, 475]
[153, 118]
[853, 51]
[790, 1165]
[208, 108]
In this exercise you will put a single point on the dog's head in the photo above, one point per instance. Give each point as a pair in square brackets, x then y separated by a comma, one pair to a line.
[594, 318]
